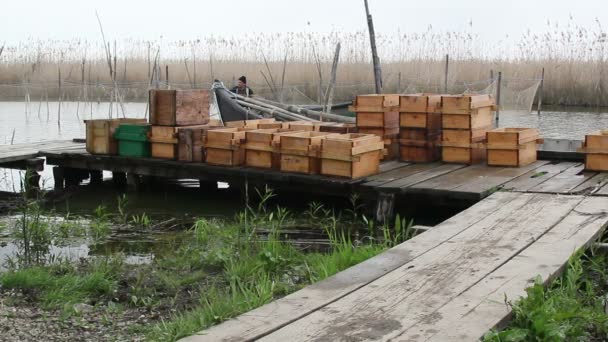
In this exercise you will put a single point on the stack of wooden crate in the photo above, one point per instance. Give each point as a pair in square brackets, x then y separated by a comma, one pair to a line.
[420, 128]
[225, 146]
[596, 150]
[175, 114]
[379, 114]
[351, 155]
[512, 146]
[465, 120]
[262, 147]
[300, 151]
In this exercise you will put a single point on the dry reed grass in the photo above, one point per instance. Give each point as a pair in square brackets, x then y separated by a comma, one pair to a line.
[574, 59]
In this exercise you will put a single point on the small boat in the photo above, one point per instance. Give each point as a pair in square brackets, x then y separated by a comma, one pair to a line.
[233, 107]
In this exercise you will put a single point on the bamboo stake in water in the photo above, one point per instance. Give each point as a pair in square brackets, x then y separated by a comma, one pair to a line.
[329, 94]
[498, 85]
[445, 78]
[375, 58]
[59, 103]
[540, 91]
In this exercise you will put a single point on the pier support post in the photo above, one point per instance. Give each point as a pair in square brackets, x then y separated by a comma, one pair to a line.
[385, 207]
[96, 177]
[207, 185]
[58, 177]
[119, 179]
[32, 181]
[133, 182]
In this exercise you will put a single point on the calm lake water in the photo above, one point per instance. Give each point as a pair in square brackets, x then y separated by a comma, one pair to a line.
[40, 122]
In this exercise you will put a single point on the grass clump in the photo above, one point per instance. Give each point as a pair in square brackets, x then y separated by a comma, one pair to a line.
[572, 308]
[60, 284]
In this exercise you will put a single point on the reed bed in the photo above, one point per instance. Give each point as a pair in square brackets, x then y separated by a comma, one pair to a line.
[573, 57]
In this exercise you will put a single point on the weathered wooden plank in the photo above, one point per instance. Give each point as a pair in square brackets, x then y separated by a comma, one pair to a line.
[592, 185]
[382, 309]
[398, 174]
[485, 184]
[453, 179]
[9, 153]
[535, 177]
[470, 315]
[391, 165]
[270, 317]
[603, 191]
[565, 181]
[405, 182]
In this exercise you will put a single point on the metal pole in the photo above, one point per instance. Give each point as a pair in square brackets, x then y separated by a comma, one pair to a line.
[498, 97]
[540, 91]
[445, 79]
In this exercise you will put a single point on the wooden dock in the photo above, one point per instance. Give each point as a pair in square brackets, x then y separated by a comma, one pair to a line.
[398, 181]
[447, 284]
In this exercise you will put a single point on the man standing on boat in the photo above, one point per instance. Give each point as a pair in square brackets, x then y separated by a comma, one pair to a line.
[242, 88]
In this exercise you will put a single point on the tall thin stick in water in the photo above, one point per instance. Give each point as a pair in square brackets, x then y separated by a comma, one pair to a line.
[59, 103]
[329, 94]
[283, 75]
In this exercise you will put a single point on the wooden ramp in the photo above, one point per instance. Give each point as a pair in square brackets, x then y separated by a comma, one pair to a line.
[447, 284]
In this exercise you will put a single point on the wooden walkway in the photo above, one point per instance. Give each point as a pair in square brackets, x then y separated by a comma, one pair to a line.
[447, 284]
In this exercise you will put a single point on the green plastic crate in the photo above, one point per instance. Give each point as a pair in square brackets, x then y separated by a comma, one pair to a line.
[133, 140]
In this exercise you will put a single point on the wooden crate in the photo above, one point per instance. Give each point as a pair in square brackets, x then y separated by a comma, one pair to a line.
[376, 110]
[467, 111]
[262, 147]
[430, 121]
[100, 135]
[307, 126]
[271, 125]
[190, 142]
[300, 151]
[252, 124]
[419, 145]
[351, 155]
[596, 150]
[511, 146]
[463, 146]
[419, 152]
[336, 127]
[224, 146]
[419, 103]
[465, 104]
[179, 107]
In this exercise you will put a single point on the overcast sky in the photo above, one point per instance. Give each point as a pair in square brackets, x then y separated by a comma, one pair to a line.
[188, 19]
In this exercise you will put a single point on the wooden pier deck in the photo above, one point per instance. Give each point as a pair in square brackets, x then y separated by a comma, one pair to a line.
[434, 180]
[441, 183]
[447, 284]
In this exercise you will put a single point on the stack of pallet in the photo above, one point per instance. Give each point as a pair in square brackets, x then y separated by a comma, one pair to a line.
[179, 119]
[379, 114]
[465, 120]
[420, 128]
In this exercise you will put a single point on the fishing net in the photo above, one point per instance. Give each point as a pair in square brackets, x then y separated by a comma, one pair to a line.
[516, 95]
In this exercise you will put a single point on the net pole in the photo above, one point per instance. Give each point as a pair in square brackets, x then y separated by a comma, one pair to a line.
[498, 86]
[445, 78]
[540, 91]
